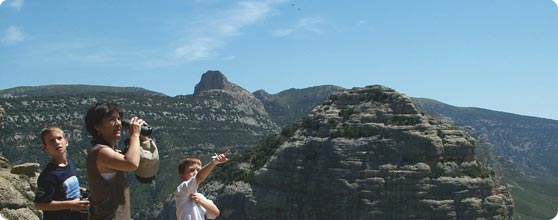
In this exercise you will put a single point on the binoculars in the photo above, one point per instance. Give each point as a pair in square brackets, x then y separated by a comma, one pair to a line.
[145, 129]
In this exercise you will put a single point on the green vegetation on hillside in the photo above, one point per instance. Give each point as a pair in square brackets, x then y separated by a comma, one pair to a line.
[184, 125]
[293, 104]
[255, 158]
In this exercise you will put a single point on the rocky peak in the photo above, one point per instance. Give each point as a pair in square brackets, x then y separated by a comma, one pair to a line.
[368, 153]
[263, 94]
[214, 81]
[272, 104]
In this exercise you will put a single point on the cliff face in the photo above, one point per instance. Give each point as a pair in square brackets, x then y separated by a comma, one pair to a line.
[368, 153]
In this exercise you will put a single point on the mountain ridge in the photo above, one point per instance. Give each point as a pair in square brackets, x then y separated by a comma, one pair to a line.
[289, 105]
[20, 115]
[522, 147]
[72, 89]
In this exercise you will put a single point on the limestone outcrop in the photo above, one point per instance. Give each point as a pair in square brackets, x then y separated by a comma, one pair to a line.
[18, 186]
[368, 153]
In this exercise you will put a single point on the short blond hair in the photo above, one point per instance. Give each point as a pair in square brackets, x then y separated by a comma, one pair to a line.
[50, 129]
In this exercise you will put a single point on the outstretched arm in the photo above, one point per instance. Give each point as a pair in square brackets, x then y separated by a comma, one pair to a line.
[205, 170]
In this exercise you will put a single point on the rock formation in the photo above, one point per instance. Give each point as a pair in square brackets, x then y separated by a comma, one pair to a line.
[17, 187]
[18, 191]
[368, 153]
[215, 81]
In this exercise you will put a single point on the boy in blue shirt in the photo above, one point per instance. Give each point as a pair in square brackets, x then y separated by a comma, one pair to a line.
[58, 193]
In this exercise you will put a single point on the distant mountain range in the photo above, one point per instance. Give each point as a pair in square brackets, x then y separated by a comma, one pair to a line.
[223, 115]
[290, 105]
[60, 90]
[524, 148]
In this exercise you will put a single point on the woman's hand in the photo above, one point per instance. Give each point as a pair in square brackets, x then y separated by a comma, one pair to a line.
[135, 125]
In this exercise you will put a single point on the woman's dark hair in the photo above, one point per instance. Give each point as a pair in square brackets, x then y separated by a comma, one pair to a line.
[96, 114]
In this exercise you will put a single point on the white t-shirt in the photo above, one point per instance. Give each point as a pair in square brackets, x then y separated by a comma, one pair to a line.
[186, 209]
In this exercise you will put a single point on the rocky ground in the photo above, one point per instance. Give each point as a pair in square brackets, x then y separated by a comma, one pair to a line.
[18, 185]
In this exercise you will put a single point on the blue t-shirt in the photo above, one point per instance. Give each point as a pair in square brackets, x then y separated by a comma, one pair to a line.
[58, 184]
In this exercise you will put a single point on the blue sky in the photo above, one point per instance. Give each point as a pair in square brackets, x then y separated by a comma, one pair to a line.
[499, 55]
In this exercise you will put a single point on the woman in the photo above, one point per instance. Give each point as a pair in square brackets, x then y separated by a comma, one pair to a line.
[106, 167]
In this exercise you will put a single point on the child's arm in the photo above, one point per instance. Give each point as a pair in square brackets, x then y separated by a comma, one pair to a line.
[76, 204]
[205, 170]
[211, 211]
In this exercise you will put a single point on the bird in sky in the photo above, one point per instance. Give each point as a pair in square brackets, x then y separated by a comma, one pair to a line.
[292, 4]
[555, 2]
[1, 1]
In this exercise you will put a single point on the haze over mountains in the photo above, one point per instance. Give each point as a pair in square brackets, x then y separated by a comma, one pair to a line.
[223, 115]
